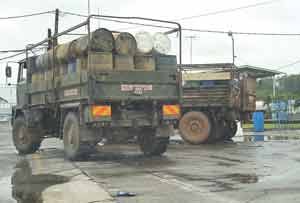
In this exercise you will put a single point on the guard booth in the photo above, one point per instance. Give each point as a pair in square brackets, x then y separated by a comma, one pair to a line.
[249, 75]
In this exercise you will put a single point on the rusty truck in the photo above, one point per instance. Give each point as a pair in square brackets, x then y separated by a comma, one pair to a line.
[214, 97]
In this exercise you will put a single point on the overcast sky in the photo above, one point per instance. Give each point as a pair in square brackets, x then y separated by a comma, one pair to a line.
[263, 51]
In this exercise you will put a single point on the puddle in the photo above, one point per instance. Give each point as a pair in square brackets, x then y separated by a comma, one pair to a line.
[226, 159]
[5, 190]
[213, 183]
[242, 178]
[223, 187]
[266, 137]
[226, 164]
[218, 183]
[27, 188]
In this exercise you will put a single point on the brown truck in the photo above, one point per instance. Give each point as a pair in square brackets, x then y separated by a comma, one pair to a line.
[214, 97]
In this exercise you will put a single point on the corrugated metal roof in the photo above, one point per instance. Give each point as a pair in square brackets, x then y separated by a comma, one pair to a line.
[258, 72]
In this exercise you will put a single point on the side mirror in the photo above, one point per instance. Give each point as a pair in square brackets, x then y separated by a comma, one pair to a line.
[8, 71]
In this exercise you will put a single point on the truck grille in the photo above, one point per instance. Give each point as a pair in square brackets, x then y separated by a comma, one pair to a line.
[217, 95]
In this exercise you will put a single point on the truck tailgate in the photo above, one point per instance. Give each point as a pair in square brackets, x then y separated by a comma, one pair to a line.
[135, 85]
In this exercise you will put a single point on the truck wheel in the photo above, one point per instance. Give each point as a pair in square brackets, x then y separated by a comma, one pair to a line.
[74, 148]
[26, 140]
[216, 133]
[231, 129]
[151, 145]
[195, 127]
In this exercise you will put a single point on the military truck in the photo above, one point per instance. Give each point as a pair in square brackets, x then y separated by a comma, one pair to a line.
[102, 86]
[214, 97]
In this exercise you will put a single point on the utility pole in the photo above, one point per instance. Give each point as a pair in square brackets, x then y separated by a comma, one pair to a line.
[274, 86]
[230, 34]
[50, 45]
[99, 18]
[56, 27]
[89, 7]
[191, 48]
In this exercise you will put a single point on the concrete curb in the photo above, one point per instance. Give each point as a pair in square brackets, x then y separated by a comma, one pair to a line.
[42, 177]
[76, 191]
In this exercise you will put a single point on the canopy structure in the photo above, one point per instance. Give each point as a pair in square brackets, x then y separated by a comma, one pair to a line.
[258, 72]
[207, 66]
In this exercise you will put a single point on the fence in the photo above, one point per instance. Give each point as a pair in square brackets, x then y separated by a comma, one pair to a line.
[7, 100]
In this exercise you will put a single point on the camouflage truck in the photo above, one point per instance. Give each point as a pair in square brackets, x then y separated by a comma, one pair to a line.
[214, 97]
[88, 90]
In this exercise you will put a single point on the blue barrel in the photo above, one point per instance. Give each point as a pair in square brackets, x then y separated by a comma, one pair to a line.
[258, 121]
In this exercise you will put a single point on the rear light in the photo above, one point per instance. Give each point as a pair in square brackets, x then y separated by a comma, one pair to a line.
[101, 111]
[171, 110]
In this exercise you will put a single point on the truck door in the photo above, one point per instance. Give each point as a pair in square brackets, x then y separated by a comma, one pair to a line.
[248, 94]
[22, 96]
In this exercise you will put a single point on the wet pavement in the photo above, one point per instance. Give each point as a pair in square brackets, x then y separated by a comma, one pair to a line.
[232, 172]
[8, 159]
[260, 167]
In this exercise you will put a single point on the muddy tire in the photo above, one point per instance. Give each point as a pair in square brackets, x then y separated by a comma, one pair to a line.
[195, 127]
[151, 145]
[26, 140]
[74, 147]
[230, 130]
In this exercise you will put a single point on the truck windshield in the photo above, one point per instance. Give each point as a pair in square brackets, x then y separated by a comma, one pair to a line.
[22, 73]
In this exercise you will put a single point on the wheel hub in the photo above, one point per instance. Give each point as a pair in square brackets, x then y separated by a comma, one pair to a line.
[70, 137]
[21, 135]
[195, 126]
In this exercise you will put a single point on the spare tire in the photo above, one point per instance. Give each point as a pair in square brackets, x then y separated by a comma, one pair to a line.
[195, 127]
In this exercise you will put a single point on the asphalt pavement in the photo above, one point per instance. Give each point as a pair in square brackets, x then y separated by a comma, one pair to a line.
[8, 159]
[260, 167]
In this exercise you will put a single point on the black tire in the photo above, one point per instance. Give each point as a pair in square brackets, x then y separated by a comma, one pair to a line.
[195, 127]
[231, 129]
[74, 147]
[151, 145]
[26, 140]
[219, 132]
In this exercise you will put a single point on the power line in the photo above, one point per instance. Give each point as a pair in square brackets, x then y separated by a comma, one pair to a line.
[20, 52]
[191, 29]
[73, 14]
[218, 12]
[26, 15]
[227, 10]
[288, 65]
[241, 33]
[158, 26]
[119, 21]
[12, 56]
[10, 51]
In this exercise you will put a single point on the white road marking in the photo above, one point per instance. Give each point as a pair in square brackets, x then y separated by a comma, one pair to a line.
[171, 180]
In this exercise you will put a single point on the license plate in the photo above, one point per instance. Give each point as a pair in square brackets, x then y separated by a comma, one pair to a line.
[143, 88]
[71, 92]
